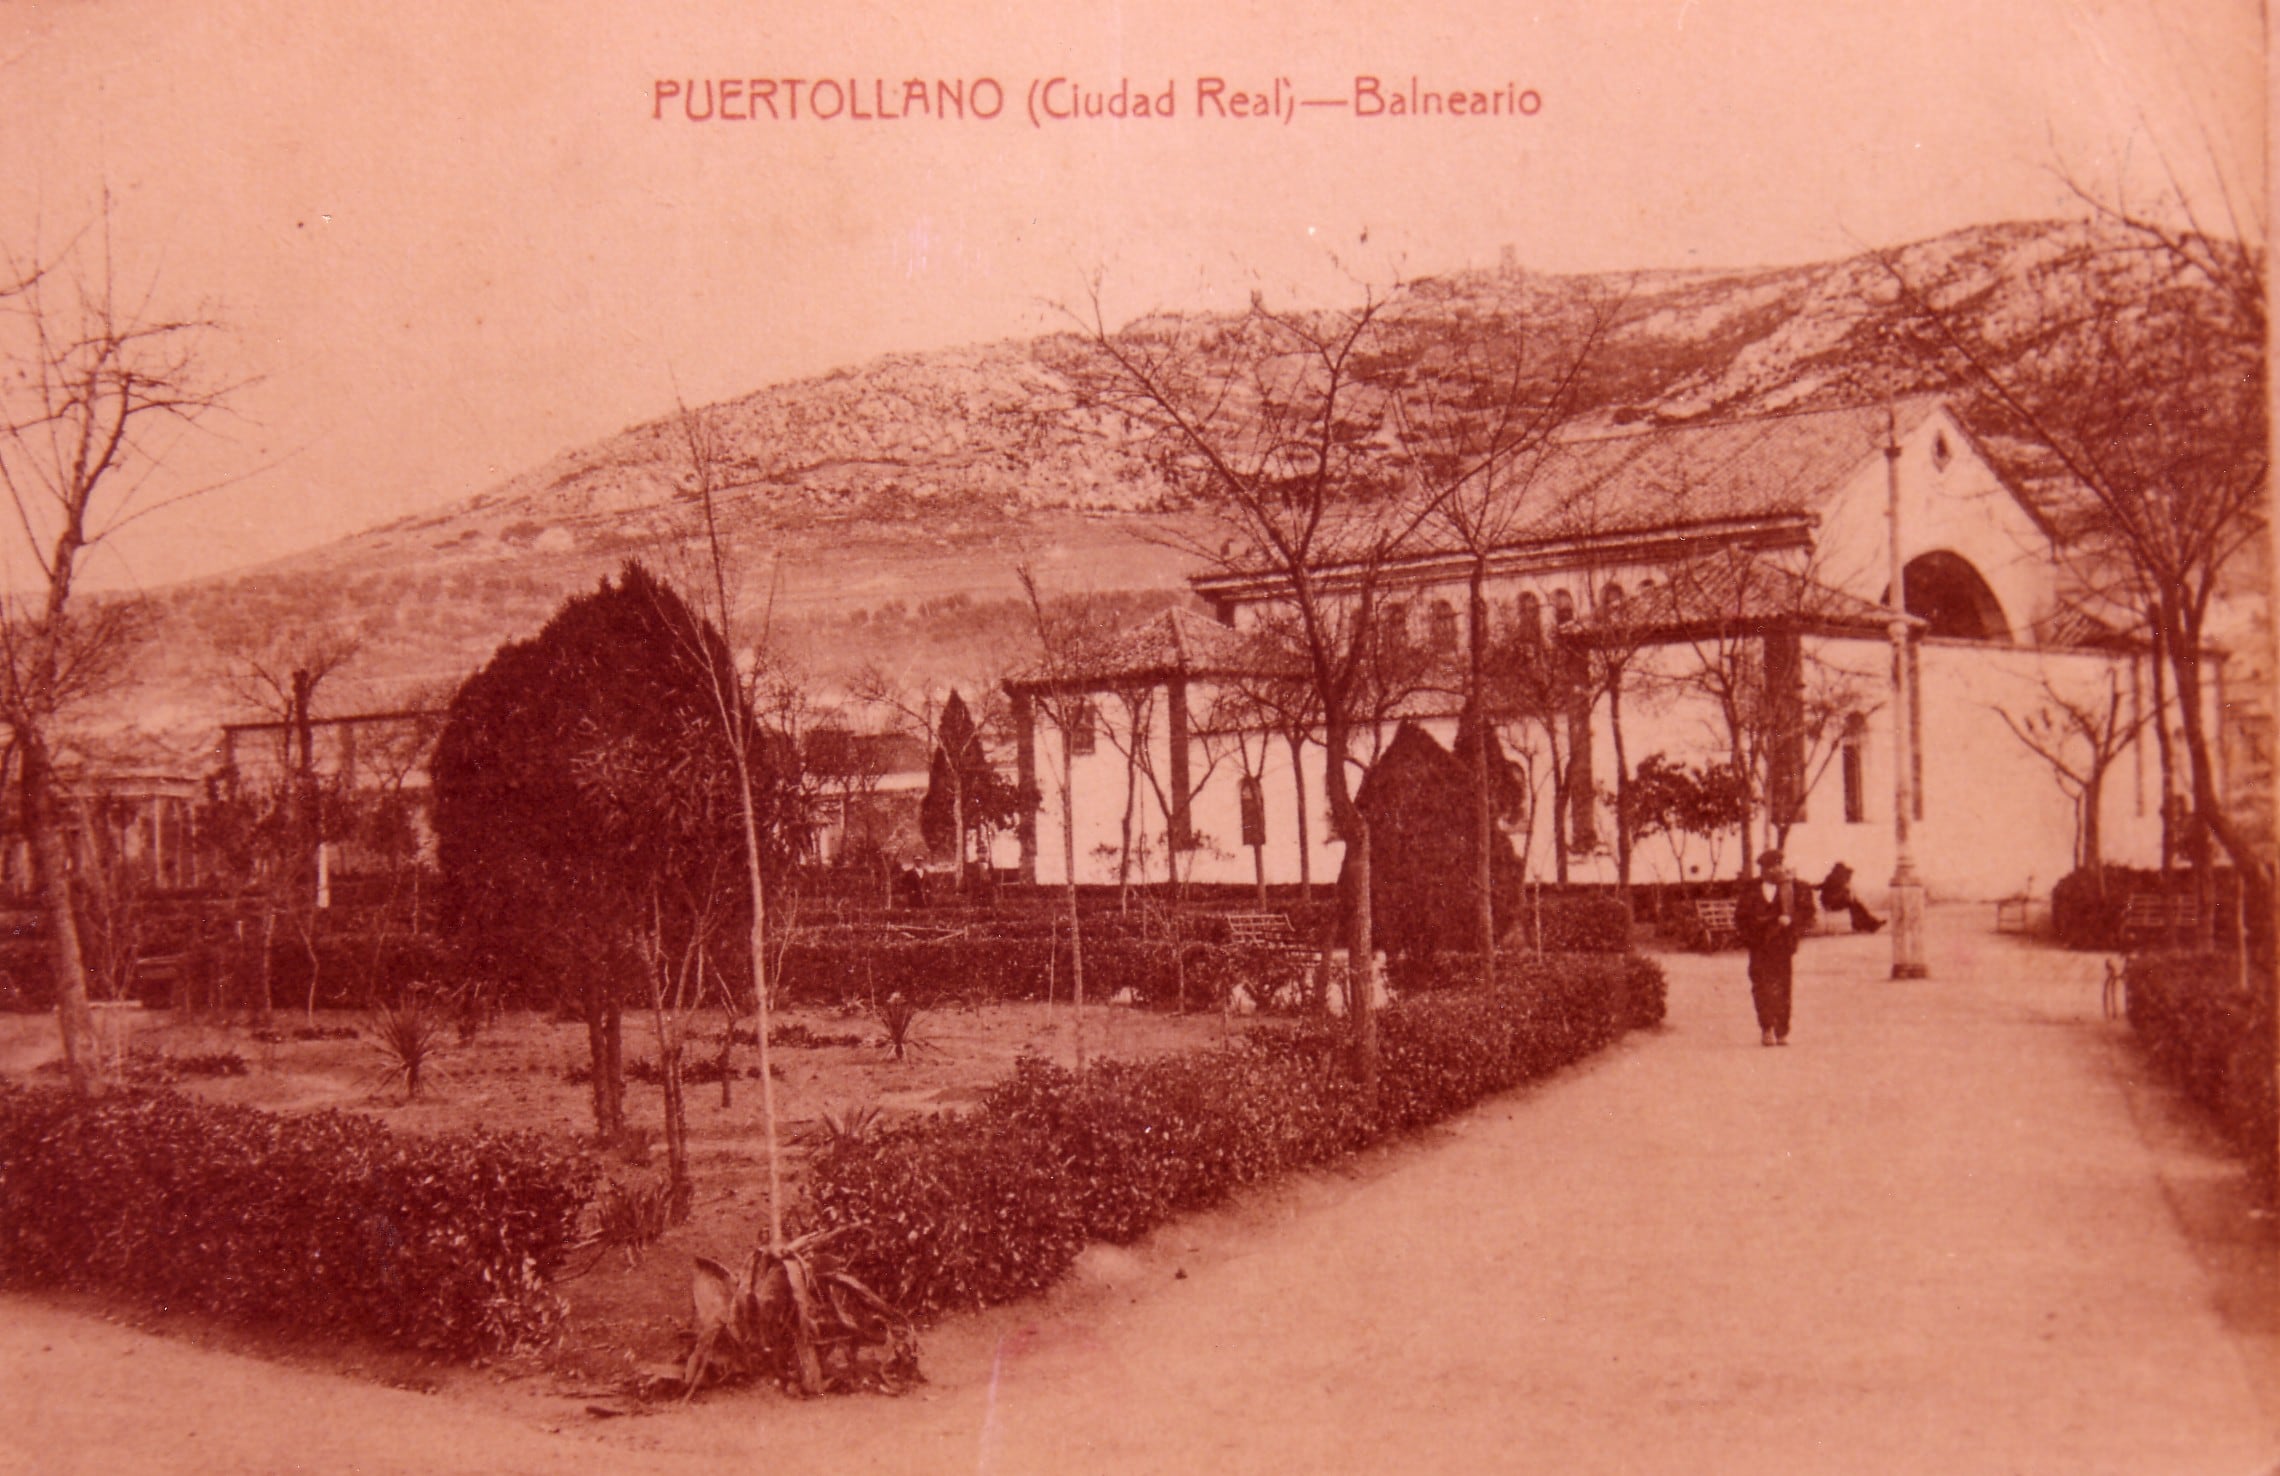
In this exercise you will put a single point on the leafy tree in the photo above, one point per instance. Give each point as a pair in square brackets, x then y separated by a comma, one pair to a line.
[966, 798]
[1678, 802]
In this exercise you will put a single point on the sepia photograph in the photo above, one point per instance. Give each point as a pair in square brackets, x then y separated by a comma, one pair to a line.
[1066, 739]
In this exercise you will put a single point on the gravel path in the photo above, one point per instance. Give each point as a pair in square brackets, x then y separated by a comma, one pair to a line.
[1942, 1231]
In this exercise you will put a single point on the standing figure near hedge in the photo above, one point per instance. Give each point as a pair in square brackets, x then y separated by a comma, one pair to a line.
[1765, 917]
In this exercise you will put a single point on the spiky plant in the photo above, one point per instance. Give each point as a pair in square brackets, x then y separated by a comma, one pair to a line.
[406, 1037]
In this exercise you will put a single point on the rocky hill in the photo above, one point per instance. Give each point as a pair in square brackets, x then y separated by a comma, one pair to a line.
[877, 512]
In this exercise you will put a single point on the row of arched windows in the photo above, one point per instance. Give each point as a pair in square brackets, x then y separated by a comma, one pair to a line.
[1442, 630]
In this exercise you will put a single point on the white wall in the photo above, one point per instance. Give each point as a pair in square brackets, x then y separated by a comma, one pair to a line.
[1994, 818]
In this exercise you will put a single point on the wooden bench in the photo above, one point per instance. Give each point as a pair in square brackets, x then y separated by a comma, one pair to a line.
[2156, 915]
[1263, 930]
[157, 979]
[2015, 914]
[1714, 923]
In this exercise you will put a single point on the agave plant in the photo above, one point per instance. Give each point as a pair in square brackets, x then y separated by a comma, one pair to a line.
[898, 1014]
[843, 1126]
[795, 1315]
[407, 1038]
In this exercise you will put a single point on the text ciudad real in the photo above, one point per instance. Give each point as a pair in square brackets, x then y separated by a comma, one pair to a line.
[1046, 101]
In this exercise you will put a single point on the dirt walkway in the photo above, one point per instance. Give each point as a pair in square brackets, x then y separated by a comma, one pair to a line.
[1940, 1232]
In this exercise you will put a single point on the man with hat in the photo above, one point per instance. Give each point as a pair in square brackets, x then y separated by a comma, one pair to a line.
[1765, 917]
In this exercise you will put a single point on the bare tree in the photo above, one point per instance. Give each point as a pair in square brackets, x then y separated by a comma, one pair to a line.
[93, 379]
[1281, 428]
[2137, 397]
[278, 673]
[1482, 408]
[734, 699]
[1740, 617]
[1067, 633]
[2079, 737]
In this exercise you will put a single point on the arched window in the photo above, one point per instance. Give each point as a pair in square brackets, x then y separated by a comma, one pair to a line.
[1563, 607]
[1528, 618]
[1079, 717]
[1851, 759]
[1251, 799]
[1444, 631]
[1611, 603]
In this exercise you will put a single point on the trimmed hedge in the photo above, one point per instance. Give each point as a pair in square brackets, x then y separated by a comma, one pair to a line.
[939, 971]
[982, 1208]
[1572, 924]
[2207, 1036]
[2085, 916]
[327, 1222]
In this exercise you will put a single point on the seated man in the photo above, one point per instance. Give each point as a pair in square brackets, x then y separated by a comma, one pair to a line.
[1836, 892]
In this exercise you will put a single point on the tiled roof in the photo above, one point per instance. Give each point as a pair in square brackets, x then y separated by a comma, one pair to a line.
[1738, 590]
[1176, 643]
[1679, 475]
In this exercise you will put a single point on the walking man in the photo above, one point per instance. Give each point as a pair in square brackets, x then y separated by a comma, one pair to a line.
[1765, 917]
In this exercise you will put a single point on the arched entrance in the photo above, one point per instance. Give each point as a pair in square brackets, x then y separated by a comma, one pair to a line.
[1953, 600]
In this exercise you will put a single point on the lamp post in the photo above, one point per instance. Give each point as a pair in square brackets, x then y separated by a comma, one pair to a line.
[1907, 891]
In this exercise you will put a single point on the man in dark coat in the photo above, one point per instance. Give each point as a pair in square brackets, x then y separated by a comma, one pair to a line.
[1765, 917]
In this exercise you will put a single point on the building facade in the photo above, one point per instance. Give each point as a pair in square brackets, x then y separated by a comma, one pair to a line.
[1700, 594]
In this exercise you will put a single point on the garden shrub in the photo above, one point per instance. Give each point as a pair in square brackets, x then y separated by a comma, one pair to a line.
[967, 1211]
[327, 1222]
[936, 972]
[1586, 923]
[2086, 909]
[2084, 916]
[2207, 1035]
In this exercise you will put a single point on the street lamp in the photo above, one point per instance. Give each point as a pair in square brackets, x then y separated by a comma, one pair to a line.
[1907, 891]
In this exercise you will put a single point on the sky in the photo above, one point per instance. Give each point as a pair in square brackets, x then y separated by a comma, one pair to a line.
[444, 242]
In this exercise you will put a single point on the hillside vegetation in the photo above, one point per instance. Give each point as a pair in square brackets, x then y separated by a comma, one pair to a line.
[877, 512]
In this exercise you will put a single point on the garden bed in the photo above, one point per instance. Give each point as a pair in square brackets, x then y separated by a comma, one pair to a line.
[517, 1075]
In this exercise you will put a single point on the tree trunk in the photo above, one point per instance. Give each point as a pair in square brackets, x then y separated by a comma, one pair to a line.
[1069, 888]
[2163, 745]
[1297, 743]
[1484, 809]
[2093, 795]
[606, 1124]
[1622, 786]
[50, 853]
[1361, 943]
[680, 1190]
[2247, 858]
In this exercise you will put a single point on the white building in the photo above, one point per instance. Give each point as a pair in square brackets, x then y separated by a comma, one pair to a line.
[1682, 549]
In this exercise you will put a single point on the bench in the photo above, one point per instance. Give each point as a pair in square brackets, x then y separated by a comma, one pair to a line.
[1714, 923]
[1263, 930]
[158, 979]
[2015, 914]
[2156, 915]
